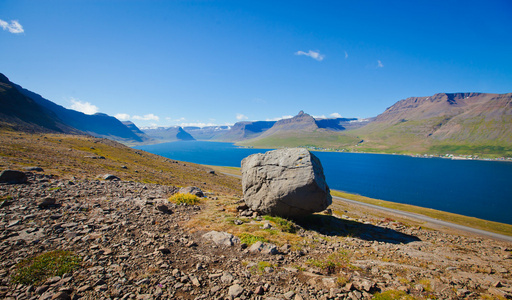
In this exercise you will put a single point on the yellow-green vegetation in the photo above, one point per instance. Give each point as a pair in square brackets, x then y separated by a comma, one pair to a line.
[188, 199]
[496, 227]
[77, 156]
[319, 138]
[393, 295]
[220, 215]
[262, 265]
[228, 170]
[249, 239]
[282, 224]
[37, 269]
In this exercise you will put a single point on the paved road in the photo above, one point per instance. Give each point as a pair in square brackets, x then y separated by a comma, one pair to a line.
[431, 220]
[422, 218]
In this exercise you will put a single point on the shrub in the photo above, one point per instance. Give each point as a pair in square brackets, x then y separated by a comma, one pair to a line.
[187, 199]
[37, 269]
[249, 239]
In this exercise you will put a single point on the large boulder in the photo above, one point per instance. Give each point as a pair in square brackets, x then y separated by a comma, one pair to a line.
[285, 182]
[13, 176]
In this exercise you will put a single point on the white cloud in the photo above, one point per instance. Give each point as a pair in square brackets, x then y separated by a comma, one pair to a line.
[240, 117]
[14, 27]
[335, 115]
[85, 107]
[148, 117]
[279, 118]
[379, 64]
[346, 55]
[313, 54]
[320, 117]
[122, 117]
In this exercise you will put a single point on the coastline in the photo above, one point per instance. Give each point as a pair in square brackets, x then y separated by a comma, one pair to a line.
[473, 225]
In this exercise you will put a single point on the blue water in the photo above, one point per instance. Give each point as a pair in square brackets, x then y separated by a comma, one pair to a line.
[481, 189]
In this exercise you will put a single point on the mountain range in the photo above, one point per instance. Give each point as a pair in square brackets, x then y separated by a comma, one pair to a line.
[25, 110]
[460, 123]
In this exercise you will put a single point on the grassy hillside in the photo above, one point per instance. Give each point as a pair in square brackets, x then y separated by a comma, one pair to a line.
[69, 156]
[318, 138]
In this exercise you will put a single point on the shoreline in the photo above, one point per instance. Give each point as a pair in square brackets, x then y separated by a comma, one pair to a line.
[502, 231]
[469, 157]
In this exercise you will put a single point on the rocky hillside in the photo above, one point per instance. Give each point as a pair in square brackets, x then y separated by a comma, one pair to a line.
[129, 242]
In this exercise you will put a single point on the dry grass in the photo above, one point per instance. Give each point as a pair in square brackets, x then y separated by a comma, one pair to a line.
[69, 156]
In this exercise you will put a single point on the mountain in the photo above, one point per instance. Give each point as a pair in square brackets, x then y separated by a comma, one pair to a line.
[23, 113]
[471, 122]
[246, 130]
[207, 132]
[98, 125]
[168, 134]
[304, 130]
[136, 130]
[301, 122]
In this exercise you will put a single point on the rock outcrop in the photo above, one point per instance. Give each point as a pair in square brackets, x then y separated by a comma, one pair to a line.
[285, 182]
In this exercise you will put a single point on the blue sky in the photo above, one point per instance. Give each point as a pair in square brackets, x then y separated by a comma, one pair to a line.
[218, 62]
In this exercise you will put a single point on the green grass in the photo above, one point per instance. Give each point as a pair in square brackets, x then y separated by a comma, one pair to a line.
[37, 269]
[282, 224]
[319, 138]
[491, 226]
[187, 199]
[249, 239]
[481, 150]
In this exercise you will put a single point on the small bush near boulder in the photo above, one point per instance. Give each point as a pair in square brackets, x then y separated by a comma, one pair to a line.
[37, 269]
[187, 199]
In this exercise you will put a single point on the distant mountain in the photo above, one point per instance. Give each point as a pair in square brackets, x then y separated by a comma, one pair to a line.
[207, 132]
[22, 113]
[99, 125]
[136, 130]
[447, 122]
[168, 134]
[246, 130]
[304, 130]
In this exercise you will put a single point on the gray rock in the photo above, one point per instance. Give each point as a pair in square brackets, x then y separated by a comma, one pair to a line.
[221, 238]
[109, 177]
[235, 290]
[264, 248]
[13, 177]
[285, 182]
[46, 202]
[34, 169]
[61, 296]
[192, 190]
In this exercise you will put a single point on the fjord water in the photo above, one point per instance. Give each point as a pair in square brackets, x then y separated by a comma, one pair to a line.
[481, 189]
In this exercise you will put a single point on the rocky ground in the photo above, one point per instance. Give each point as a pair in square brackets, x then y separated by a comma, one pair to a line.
[134, 244]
